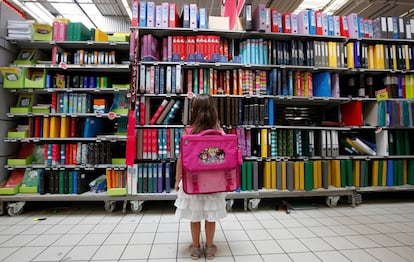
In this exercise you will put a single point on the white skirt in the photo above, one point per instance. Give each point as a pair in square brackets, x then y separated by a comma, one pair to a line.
[210, 207]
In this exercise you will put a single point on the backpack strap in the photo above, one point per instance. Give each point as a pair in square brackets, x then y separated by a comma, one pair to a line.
[229, 181]
[194, 178]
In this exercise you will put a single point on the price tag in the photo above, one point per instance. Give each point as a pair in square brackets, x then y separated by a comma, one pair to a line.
[63, 65]
[111, 115]
[381, 94]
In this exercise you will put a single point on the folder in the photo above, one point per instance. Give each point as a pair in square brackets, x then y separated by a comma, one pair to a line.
[284, 174]
[325, 174]
[278, 175]
[248, 20]
[303, 22]
[259, 18]
[312, 22]
[351, 113]
[308, 175]
[318, 24]
[356, 173]
[266, 175]
[253, 183]
[273, 174]
[343, 23]
[352, 20]
[296, 175]
[286, 23]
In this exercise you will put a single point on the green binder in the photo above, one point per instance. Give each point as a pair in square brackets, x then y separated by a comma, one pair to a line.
[308, 175]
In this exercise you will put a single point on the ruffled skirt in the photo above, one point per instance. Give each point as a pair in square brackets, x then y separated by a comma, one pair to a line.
[210, 207]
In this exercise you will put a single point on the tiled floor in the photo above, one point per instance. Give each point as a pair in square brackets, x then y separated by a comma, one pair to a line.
[373, 231]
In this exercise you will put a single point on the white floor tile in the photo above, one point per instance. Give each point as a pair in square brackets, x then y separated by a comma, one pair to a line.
[231, 225]
[93, 239]
[276, 257]
[304, 257]
[7, 251]
[168, 227]
[280, 233]
[405, 252]
[301, 232]
[43, 240]
[406, 239]
[252, 225]
[328, 256]
[347, 220]
[362, 242]
[242, 248]
[14, 230]
[267, 247]
[269, 224]
[81, 229]
[258, 234]
[59, 229]
[384, 240]
[136, 252]
[323, 231]
[163, 251]
[358, 255]
[23, 254]
[363, 229]
[146, 227]
[53, 253]
[288, 223]
[124, 228]
[118, 239]
[248, 258]
[142, 238]
[166, 238]
[235, 235]
[34, 230]
[292, 245]
[329, 221]
[309, 222]
[109, 252]
[384, 254]
[343, 230]
[19, 241]
[82, 253]
[4, 238]
[69, 240]
[103, 228]
[316, 244]
[223, 249]
[383, 228]
[339, 243]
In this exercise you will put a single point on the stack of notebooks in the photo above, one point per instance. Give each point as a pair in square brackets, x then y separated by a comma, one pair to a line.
[20, 30]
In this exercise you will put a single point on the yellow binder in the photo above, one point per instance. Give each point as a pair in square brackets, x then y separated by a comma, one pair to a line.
[375, 166]
[263, 141]
[301, 175]
[284, 175]
[46, 127]
[266, 178]
[350, 54]
[357, 171]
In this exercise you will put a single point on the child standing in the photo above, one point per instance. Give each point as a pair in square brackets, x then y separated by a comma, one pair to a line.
[208, 207]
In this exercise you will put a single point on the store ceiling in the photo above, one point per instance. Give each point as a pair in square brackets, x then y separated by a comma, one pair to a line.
[116, 18]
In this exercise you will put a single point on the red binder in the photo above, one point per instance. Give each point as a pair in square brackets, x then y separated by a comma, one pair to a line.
[351, 113]
[286, 23]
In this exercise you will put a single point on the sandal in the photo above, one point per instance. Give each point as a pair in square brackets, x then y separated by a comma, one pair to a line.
[210, 251]
[195, 252]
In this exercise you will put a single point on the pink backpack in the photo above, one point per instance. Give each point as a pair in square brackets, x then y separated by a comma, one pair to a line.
[211, 162]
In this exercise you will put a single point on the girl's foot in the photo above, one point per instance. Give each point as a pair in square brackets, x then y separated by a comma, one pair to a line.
[210, 251]
[195, 252]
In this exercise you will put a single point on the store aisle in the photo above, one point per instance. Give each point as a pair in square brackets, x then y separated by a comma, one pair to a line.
[373, 231]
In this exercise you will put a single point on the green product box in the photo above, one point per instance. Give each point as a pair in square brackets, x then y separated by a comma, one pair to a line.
[27, 57]
[17, 134]
[30, 181]
[35, 78]
[117, 191]
[42, 32]
[13, 77]
[118, 161]
[19, 161]
[9, 190]
[20, 110]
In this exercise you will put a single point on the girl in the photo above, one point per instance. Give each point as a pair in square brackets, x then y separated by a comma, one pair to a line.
[208, 207]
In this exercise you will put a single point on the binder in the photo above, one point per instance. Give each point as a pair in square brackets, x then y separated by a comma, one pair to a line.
[325, 174]
[259, 18]
[312, 22]
[278, 175]
[289, 175]
[247, 18]
[274, 23]
[286, 23]
[343, 23]
[353, 25]
[273, 174]
[318, 24]
[308, 173]
[253, 184]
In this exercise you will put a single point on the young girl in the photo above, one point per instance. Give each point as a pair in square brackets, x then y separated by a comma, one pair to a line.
[208, 207]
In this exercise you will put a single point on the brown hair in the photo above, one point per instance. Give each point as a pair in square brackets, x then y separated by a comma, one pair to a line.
[204, 114]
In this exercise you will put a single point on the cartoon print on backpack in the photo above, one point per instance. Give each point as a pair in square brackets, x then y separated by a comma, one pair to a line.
[212, 155]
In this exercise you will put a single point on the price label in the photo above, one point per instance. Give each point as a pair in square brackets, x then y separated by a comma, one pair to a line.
[111, 115]
[381, 94]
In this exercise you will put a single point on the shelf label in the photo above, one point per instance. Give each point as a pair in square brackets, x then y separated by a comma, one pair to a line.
[381, 94]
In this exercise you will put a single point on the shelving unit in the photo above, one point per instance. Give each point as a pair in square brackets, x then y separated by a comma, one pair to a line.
[271, 100]
[119, 72]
